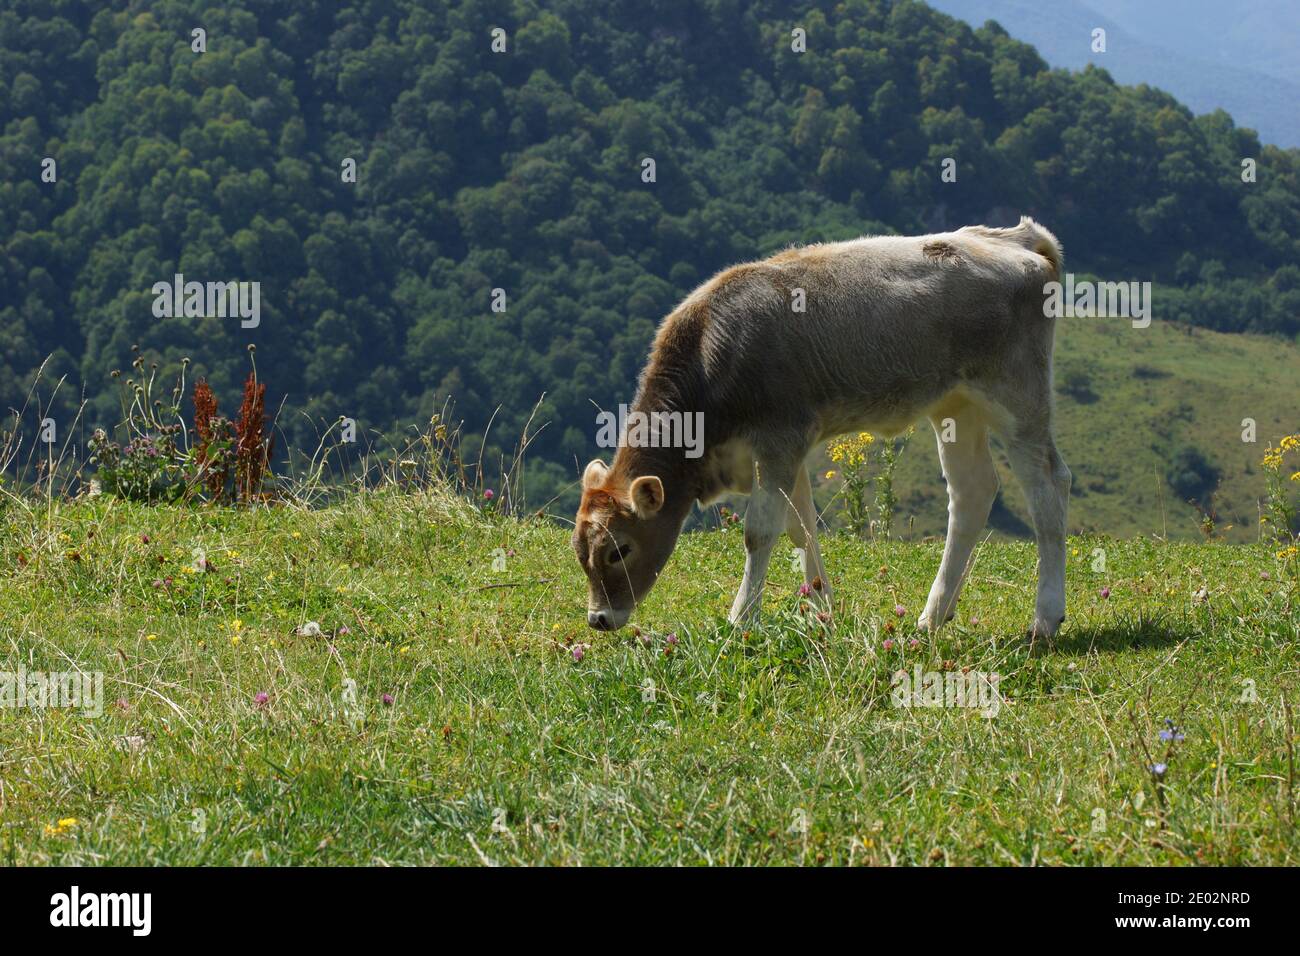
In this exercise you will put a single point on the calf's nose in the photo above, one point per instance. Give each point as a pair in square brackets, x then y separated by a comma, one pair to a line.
[599, 620]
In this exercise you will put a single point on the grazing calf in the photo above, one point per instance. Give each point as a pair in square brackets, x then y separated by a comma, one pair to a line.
[950, 326]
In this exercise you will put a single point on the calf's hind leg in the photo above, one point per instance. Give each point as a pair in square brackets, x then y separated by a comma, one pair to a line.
[1043, 475]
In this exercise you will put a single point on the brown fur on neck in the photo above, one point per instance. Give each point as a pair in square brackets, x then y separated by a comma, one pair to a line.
[679, 474]
[673, 380]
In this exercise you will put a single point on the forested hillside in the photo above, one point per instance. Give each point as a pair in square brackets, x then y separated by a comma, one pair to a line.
[523, 171]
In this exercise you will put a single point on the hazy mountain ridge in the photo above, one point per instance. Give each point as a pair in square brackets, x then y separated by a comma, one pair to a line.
[1211, 55]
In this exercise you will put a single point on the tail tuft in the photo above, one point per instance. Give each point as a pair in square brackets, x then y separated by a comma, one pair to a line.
[1043, 243]
[1027, 235]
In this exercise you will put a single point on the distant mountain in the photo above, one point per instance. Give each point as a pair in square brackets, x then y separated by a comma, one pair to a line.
[1243, 58]
[1262, 35]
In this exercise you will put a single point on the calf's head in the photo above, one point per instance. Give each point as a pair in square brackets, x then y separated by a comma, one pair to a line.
[622, 536]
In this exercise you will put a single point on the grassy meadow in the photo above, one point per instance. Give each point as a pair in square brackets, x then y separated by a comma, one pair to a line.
[450, 706]
[1149, 392]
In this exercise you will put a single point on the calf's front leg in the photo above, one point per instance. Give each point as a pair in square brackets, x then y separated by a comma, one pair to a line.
[972, 488]
[763, 523]
[801, 526]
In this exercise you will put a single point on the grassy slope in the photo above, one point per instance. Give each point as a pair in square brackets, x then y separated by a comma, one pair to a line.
[492, 714]
[1119, 445]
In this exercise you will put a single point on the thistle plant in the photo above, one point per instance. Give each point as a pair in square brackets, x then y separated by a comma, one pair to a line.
[149, 463]
[146, 468]
[155, 460]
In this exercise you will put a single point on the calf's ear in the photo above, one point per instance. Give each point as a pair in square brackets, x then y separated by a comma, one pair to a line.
[647, 495]
[594, 473]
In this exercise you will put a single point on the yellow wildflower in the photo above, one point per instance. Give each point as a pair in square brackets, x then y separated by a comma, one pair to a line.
[850, 451]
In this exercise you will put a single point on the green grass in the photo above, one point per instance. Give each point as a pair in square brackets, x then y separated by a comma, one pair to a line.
[1153, 390]
[494, 722]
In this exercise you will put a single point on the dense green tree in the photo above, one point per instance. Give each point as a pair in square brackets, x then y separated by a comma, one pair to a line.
[522, 171]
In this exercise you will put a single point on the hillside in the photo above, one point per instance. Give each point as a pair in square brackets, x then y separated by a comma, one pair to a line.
[1240, 58]
[358, 685]
[1139, 394]
[231, 157]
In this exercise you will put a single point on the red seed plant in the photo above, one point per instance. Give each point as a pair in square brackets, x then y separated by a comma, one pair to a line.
[252, 447]
[206, 422]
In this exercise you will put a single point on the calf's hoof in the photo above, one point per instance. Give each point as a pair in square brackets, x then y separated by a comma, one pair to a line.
[923, 622]
[743, 618]
[1042, 635]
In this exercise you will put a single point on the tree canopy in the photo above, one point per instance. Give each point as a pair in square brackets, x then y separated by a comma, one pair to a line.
[522, 171]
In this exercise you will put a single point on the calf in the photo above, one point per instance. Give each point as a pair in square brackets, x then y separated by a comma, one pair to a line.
[950, 326]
